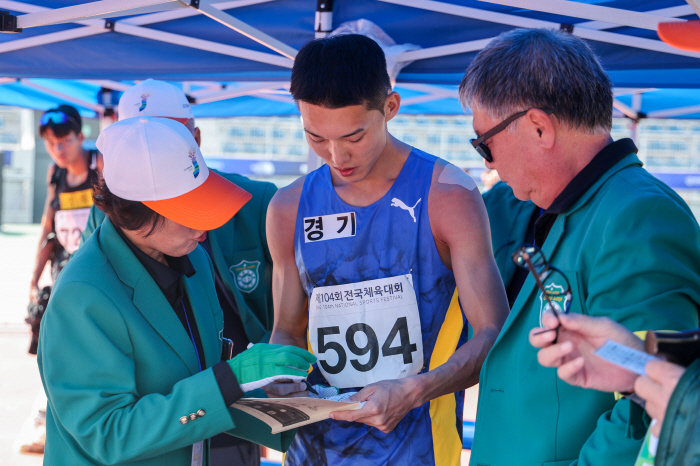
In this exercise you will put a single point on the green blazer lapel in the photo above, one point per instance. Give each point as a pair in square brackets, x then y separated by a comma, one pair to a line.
[530, 286]
[147, 297]
[201, 307]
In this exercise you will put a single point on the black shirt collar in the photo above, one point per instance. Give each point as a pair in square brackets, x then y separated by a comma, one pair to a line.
[601, 163]
[582, 182]
[167, 277]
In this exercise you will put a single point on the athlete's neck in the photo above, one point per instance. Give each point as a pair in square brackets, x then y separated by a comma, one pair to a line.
[77, 172]
[379, 180]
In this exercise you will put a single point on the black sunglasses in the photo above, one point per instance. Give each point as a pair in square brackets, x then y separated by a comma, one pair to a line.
[531, 258]
[479, 143]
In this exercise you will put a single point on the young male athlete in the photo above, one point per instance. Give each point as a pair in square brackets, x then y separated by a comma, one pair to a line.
[368, 251]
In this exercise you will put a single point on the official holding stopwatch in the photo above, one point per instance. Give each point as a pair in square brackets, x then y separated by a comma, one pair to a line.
[132, 370]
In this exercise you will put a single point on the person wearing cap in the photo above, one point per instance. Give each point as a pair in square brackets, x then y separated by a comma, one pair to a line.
[69, 193]
[238, 249]
[133, 370]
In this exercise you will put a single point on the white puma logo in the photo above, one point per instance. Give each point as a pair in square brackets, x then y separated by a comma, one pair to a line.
[399, 203]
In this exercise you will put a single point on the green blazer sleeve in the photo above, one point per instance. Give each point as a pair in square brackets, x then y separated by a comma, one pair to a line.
[679, 443]
[643, 266]
[92, 392]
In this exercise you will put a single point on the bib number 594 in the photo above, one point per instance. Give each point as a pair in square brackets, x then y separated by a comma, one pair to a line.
[404, 347]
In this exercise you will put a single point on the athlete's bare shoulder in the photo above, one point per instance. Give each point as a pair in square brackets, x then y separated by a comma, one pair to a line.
[454, 202]
[282, 213]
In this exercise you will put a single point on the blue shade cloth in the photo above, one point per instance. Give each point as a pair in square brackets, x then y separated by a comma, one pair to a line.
[123, 57]
[112, 55]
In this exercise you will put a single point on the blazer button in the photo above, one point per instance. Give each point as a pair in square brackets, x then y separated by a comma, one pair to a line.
[201, 413]
[193, 417]
[184, 420]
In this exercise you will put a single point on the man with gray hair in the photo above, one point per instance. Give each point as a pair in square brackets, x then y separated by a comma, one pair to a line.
[612, 241]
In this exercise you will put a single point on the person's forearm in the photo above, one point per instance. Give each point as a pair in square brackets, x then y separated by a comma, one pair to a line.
[42, 257]
[284, 337]
[460, 371]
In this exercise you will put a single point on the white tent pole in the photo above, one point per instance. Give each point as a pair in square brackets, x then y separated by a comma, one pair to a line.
[276, 98]
[421, 99]
[517, 21]
[695, 5]
[201, 44]
[245, 29]
[442, 50]
[589, 11]
[108, 84]
[626, 110]
[185, 13]
[50, 38]
[4, 81]
[97, 27]
[673, 112]
[672, 12]
[90, 10]
[237, 92]
[95, 107]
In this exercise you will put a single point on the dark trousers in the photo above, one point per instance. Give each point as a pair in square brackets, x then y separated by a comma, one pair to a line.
[242, 454]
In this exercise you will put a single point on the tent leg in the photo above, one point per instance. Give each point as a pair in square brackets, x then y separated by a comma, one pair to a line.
[324, 18]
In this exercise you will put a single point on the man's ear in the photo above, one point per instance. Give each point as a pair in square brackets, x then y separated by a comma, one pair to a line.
[81, 137]
[198, 136]
[543, 125]
[392, 105]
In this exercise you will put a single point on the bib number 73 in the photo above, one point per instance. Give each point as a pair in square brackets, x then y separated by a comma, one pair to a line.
[404, 346]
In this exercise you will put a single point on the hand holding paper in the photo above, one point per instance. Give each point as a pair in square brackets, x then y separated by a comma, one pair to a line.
[264, 363]
[573, 354]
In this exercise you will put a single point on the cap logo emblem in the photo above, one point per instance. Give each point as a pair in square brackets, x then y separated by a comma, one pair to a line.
[193, 157]
[144, 101]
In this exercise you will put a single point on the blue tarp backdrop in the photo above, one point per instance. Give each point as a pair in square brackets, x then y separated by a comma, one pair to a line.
[449, 32]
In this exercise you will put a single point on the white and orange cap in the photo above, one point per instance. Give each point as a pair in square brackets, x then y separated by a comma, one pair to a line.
[154, 98]
[684, 35]
[157, 161]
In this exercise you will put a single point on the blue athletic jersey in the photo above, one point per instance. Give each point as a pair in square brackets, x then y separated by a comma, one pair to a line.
[388, 238]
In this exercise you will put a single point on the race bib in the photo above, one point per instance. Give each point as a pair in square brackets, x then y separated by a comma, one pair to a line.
[69, 225]
[75, 200]
[325, 227]
[197, 453]
[365, 332]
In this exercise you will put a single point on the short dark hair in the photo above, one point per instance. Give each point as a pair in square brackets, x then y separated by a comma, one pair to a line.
[125, 214]
[74, 123]
[339, 71]
[540, 68]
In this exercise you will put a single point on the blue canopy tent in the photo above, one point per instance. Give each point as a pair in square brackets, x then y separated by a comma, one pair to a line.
[253, 42]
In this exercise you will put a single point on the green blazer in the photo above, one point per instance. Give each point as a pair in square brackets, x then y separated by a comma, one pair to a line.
[119, 371]
[508, 217]
[241, 256]
[630, 248]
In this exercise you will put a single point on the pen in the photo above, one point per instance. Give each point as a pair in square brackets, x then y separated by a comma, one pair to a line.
[310, 388]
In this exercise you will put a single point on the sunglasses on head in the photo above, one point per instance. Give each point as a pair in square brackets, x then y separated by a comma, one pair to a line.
[57, 118]
[480, 143]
